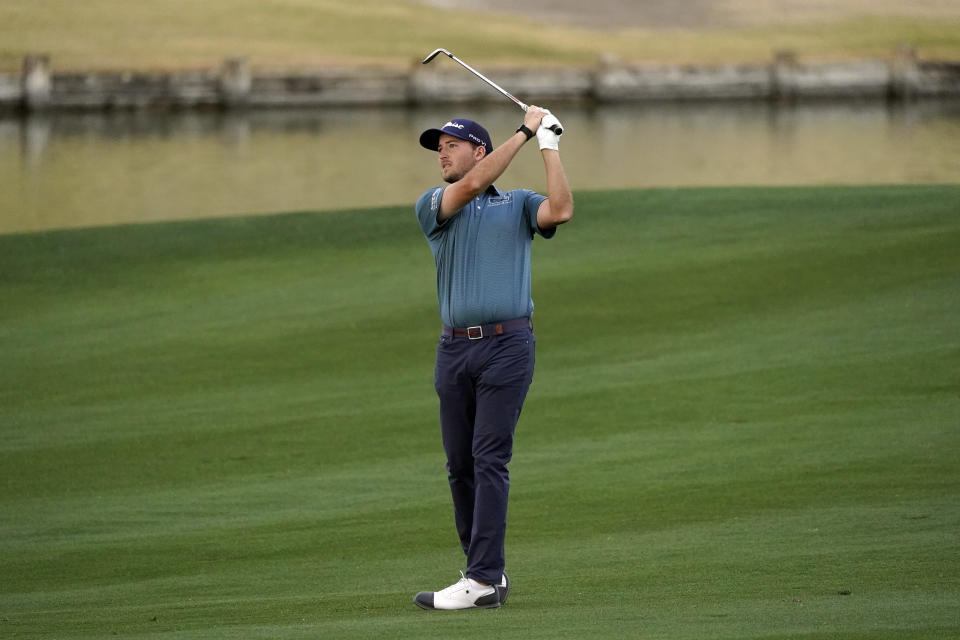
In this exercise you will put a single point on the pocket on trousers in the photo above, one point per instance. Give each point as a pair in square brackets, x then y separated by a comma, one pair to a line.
[512, 362]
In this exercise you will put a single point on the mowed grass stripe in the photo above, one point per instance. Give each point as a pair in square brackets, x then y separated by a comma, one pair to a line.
[745, 407]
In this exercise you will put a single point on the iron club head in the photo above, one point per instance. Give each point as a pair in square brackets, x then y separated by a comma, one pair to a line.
[435, 53]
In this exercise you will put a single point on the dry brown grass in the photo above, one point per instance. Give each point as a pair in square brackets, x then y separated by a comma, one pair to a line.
[708, 14]
[291, 34]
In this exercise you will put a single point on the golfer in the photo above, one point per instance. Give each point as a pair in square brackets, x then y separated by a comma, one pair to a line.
[480, 238]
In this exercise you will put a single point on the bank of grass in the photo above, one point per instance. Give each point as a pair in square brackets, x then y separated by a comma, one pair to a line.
[743, 424]
[292, 34]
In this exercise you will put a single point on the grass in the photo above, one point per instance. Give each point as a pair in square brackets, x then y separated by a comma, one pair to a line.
[743, 425]
[291, 34]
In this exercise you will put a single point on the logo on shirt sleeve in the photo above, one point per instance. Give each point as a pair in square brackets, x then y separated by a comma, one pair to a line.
[435, 199]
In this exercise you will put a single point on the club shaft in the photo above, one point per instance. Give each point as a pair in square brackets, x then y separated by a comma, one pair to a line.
[555, 128]
[487, 80]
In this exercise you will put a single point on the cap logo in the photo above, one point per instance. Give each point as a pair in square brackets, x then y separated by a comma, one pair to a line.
[452, 124]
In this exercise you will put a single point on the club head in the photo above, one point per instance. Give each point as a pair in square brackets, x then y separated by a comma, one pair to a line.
[435, 53]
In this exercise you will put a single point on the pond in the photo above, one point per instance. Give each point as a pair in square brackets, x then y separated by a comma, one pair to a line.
[65, 170]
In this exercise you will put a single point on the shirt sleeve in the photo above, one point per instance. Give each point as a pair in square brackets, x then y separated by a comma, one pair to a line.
[428, 206]
[531, 203]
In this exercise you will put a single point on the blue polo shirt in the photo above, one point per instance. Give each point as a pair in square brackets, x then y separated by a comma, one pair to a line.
[483, 255]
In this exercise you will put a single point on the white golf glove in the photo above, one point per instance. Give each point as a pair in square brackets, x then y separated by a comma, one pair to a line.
[547, 138]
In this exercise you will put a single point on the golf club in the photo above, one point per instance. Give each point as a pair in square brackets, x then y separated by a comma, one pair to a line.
[555, 128]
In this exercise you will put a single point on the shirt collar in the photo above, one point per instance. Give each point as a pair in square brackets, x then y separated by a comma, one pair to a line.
[492, 190]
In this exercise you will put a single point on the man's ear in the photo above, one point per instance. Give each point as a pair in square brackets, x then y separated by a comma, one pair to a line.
[479, 152]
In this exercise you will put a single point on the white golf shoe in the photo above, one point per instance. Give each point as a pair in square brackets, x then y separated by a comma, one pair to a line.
[463, 594]
[503, 589]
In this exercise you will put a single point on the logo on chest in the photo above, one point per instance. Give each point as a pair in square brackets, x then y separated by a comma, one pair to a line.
[500, 200]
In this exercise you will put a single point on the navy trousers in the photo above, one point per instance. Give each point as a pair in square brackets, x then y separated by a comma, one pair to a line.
[482, 385]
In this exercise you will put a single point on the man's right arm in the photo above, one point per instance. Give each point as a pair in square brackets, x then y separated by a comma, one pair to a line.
[477, 180]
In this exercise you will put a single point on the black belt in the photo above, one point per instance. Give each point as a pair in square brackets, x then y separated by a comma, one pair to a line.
[488, 330]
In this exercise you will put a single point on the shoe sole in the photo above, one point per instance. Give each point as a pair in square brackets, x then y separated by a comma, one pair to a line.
[495, 605]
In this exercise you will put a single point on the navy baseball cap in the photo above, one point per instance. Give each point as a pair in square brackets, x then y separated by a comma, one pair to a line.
[458, 128]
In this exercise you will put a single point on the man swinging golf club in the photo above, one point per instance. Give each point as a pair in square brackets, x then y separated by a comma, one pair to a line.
[480, 239]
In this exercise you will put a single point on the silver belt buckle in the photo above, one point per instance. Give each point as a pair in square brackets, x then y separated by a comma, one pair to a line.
[471, 336]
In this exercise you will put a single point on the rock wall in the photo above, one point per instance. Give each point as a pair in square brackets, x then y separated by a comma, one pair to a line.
[233, 85]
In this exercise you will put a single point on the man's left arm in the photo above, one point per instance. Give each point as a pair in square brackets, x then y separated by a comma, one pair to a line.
[558, 207]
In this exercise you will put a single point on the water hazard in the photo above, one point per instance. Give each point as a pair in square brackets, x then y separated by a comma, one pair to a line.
[74, 170]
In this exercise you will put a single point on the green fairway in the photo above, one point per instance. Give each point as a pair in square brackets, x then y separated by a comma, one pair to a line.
[744, 424]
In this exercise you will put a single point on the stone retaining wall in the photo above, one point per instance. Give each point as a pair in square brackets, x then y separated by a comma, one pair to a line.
[785, 79]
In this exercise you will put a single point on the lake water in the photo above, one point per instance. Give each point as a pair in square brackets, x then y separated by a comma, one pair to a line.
[73, 170]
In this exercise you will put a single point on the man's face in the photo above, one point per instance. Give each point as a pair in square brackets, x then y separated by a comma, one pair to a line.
[457, 157]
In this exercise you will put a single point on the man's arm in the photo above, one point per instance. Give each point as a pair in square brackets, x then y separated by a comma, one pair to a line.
[491, 167]
[558, 207]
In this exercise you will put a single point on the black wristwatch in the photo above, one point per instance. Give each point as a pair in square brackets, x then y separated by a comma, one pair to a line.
[526, 131]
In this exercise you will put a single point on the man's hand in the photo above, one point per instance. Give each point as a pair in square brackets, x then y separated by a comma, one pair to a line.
[545, 134]
[534, 117]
